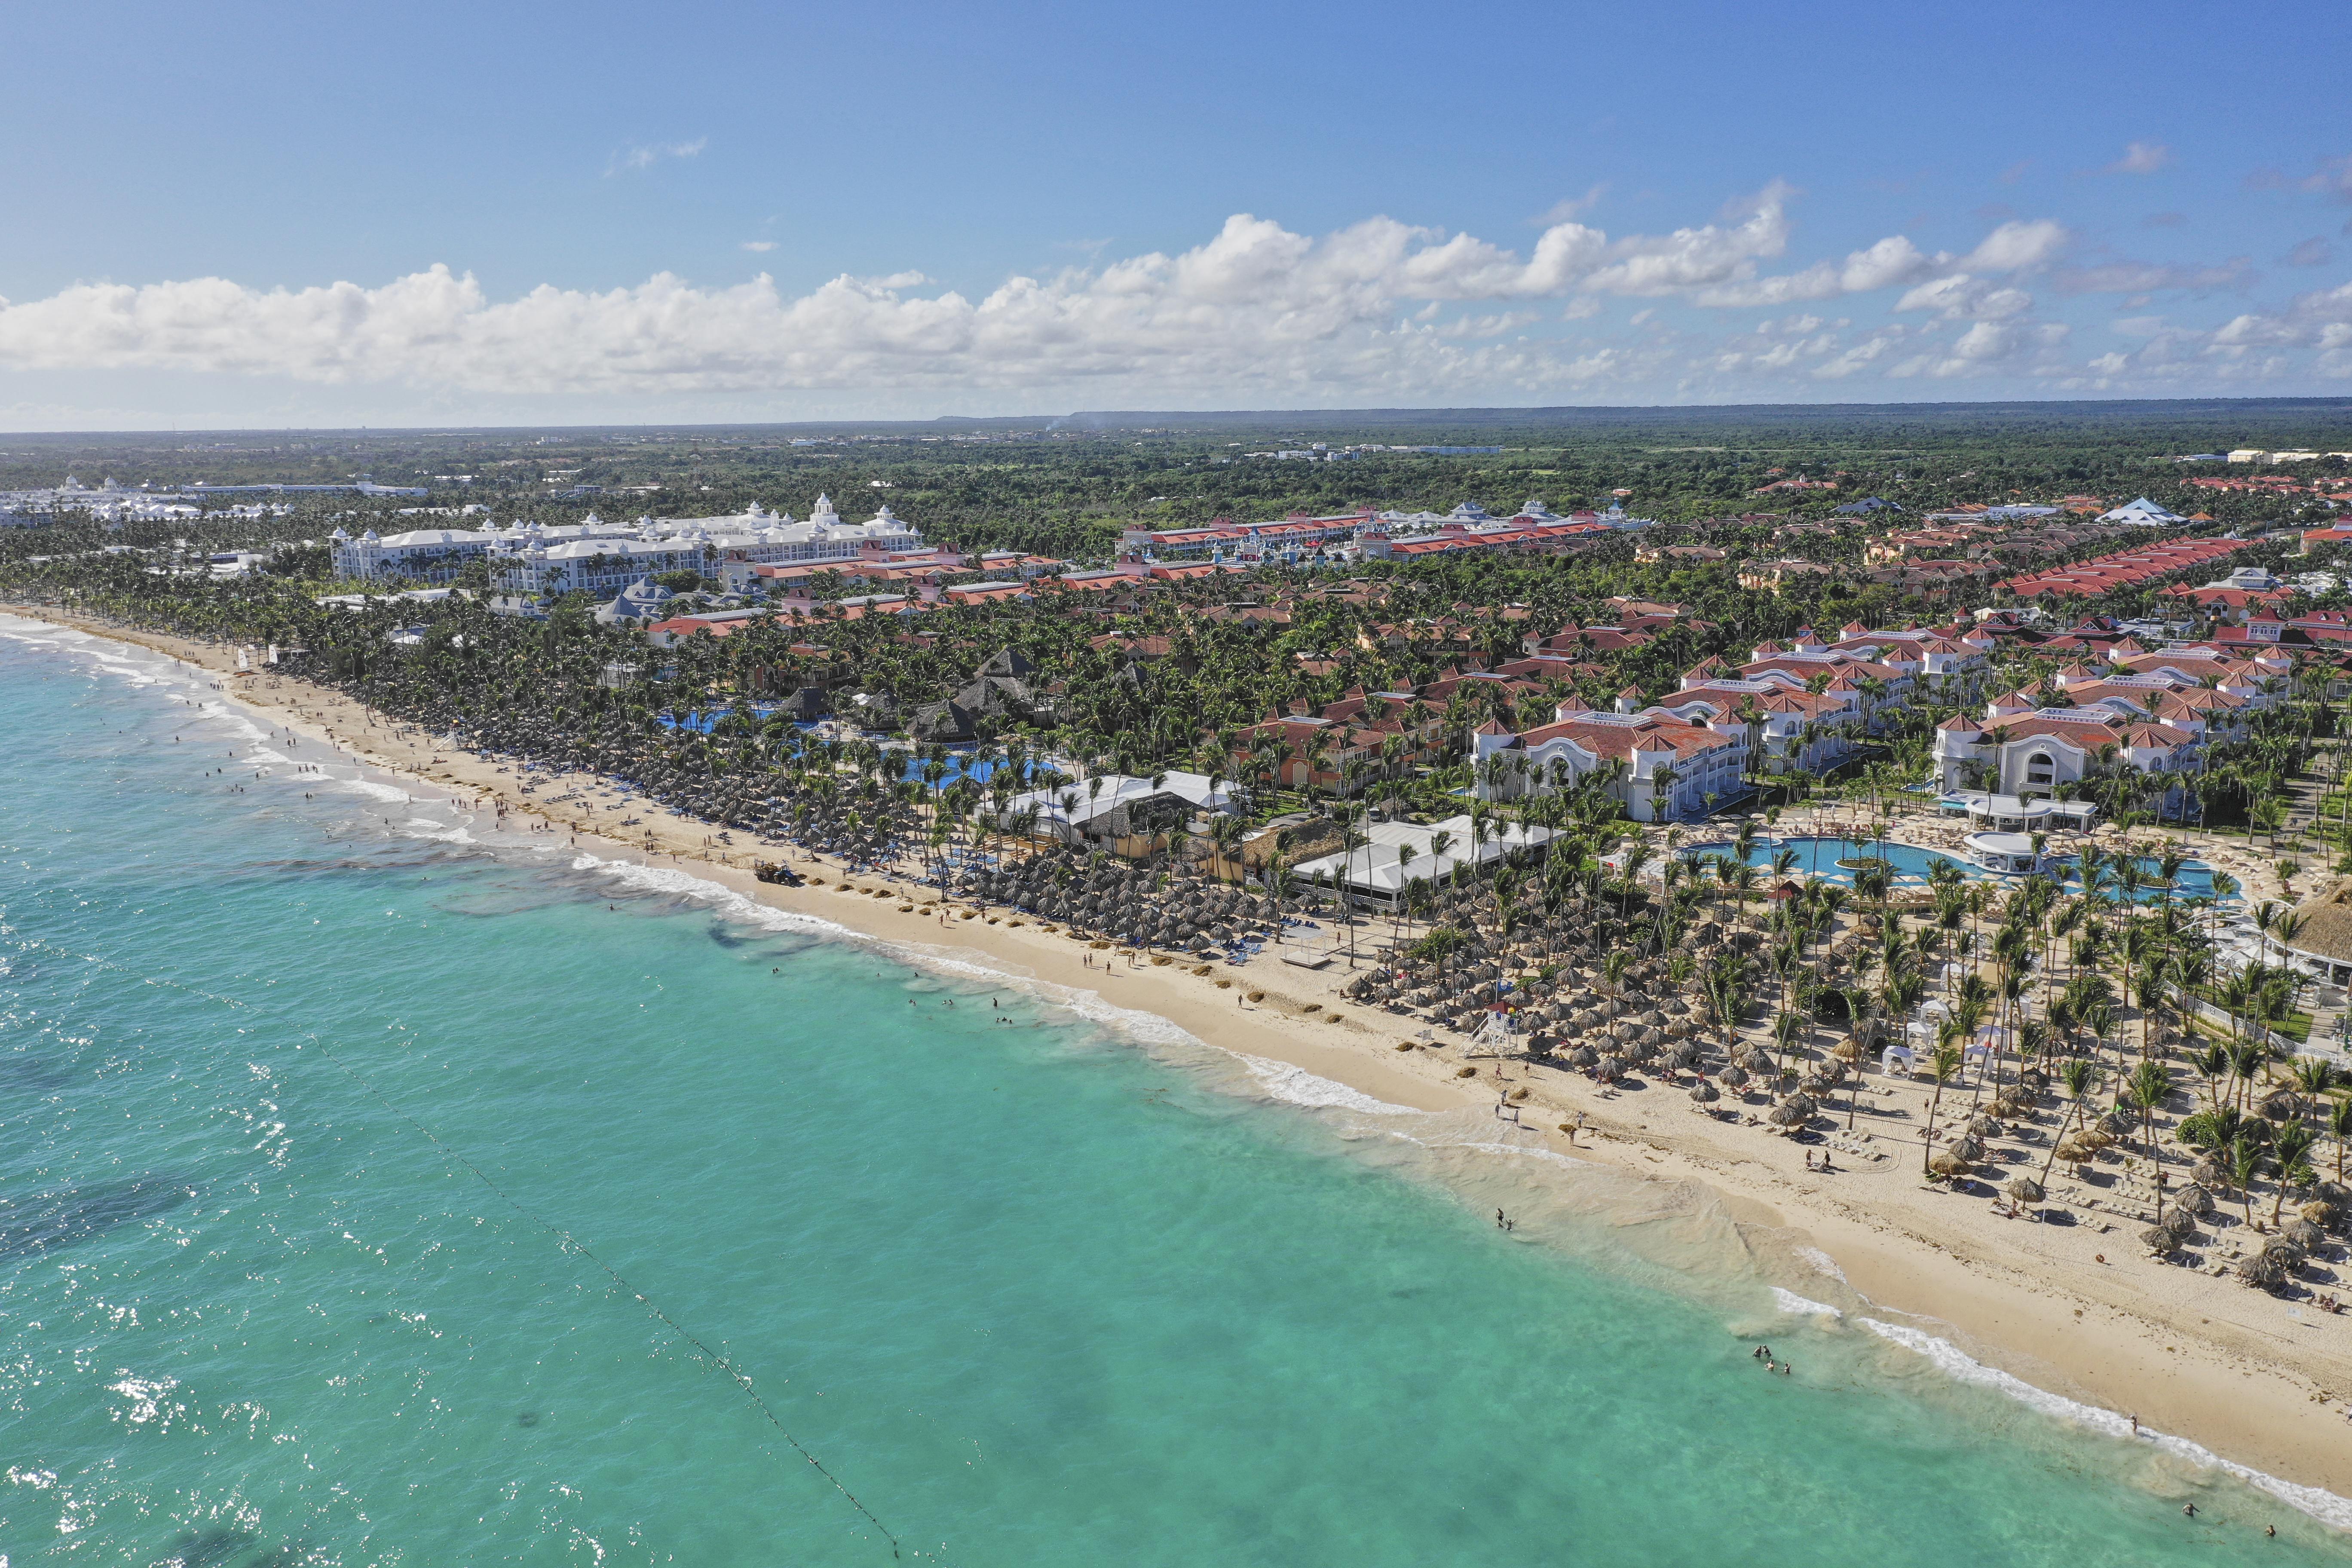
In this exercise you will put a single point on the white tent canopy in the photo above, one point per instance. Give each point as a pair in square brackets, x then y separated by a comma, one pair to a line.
[1071, 806]
[2143, 511]
[1378, 870]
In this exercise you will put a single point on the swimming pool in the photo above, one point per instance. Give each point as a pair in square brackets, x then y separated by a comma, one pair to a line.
[1819, 858]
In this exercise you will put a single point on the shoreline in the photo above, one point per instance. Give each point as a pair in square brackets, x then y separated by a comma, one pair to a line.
[2209, 1360]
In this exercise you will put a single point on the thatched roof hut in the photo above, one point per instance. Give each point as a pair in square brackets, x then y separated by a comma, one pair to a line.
[2327, 932]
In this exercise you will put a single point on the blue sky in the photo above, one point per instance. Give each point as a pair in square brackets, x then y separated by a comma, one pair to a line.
[235, 215]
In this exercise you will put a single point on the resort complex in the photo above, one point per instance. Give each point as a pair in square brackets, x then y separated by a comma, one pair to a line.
[2011, 904]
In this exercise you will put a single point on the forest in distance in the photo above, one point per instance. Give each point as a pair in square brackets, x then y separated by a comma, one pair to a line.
[1066, 485]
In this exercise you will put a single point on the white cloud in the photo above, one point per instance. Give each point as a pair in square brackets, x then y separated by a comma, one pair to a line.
[2321, 320]
[1378, 311]
[2142, 158]
[2017, 246]
[1892, 260]
[1255, 303]
[1961, 298]
[645, 155]
[1568, 207]
[759, 246]
[2013, 246]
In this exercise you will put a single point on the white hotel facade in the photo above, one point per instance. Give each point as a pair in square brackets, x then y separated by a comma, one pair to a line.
[601, 558]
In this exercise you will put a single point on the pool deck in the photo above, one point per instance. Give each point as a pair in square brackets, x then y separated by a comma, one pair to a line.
[2257, 876]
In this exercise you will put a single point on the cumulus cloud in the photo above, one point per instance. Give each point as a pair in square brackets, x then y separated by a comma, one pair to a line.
[760, 245]
[1988, 348]
[1962, 298]
[2321, 320]
[1892, 260]
[2019, 246]
[2141, 158]
[1256, 301]
[1380, 308]
[645, 156]
[2014, 246]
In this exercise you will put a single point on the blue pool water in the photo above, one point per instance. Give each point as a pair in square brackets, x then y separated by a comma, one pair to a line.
[1819, 858]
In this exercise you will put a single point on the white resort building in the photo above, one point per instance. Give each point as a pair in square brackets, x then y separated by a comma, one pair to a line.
[1659, 764]
[2059, 750]
[601, 558]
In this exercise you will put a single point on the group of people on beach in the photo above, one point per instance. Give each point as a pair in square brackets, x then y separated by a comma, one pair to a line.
[1764, 1354]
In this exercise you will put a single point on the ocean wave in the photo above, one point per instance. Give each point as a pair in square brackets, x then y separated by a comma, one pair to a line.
[1822, 1263]
[1795, 1305]
[1531, 1150]
[374, 790]
[1961, 1367]
[1296, 1086]
[679, 883]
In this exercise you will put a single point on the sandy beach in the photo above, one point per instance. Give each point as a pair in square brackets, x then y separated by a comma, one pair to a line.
[2077, 1308]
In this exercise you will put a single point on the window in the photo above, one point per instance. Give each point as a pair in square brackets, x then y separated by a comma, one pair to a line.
[2038, 768]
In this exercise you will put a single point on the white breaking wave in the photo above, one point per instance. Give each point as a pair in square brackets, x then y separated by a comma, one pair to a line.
[1296, 1086]
[686, 884]
[1531, 1151]
[1957, 1364]
[374, 790]
[1822, 1262]
[1802, 1306]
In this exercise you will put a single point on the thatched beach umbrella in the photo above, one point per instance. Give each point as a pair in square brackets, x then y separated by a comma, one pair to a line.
[2024, 1189]
[1948, 1163]
[1703, 1094]
[2193, 1199]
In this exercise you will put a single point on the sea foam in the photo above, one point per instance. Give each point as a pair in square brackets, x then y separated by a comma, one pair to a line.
[1961, 1367]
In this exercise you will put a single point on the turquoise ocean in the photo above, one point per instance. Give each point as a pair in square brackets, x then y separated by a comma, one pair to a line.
[374, 1189]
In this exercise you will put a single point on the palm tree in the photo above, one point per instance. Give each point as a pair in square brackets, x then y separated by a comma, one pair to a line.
[2148, 1088]
[2079, 1076]
[2242, 1161]
[2339, 1127]
[1406, 856]
[1945, 1064]
[2291, 1148]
